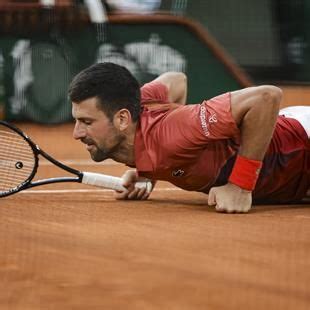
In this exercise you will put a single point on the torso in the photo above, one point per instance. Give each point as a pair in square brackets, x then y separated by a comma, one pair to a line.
[194, 147]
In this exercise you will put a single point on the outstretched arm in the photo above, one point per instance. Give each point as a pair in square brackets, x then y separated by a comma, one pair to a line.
[176, 83]
[255, 111]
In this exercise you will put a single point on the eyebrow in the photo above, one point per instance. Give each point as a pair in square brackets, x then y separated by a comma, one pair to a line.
[84, 118]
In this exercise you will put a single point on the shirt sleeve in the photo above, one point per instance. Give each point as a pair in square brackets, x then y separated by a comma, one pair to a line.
[216, 119]
[154, 92]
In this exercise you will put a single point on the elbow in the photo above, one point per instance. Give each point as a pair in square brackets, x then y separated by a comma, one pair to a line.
[183, 97]
[179, 93]
[185, 83]
[180, 78]
[272, 96]
[183, 77]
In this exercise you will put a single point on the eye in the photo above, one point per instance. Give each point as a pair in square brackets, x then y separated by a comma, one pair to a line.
[87, 122]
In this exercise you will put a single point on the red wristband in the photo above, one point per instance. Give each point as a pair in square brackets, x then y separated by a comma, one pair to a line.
[245, 172]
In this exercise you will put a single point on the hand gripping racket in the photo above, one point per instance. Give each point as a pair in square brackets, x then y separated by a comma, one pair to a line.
[19, 161]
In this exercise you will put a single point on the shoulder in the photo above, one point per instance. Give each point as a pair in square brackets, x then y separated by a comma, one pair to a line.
[154, 91]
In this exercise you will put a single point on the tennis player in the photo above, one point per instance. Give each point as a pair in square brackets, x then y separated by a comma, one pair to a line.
[234, 147]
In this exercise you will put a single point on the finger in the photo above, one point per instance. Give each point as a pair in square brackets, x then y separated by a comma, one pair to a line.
[141, 193]
[229, 207]
[133, 194]
[231, 210]
[220, 209]
[120, 195]
[246, 209]
[129, 178]
[211, 197]
[145, 196]
[248, 205]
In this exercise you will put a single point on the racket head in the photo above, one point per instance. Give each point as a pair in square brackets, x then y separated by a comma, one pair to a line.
[18, 159]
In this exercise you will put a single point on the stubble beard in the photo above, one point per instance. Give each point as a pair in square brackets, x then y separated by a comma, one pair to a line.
[101, 153]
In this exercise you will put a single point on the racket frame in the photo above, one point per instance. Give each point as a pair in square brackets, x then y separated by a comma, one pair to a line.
[36, 152]
[94, 179]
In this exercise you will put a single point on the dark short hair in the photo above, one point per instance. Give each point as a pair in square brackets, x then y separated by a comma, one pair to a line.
[113, 85]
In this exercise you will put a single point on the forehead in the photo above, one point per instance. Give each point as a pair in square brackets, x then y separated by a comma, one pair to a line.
[87, 108]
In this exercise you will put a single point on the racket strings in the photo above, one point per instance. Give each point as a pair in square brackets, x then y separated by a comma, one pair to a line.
[17, 160]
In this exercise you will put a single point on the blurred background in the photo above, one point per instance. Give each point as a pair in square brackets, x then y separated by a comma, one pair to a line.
[222, 45]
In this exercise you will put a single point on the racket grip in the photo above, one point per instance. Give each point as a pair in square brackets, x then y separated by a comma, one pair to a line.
[115, 183]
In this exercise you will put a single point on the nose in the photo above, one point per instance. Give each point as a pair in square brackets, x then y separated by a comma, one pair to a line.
[79, 132]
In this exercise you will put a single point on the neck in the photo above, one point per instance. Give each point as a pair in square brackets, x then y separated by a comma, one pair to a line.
[126, 152]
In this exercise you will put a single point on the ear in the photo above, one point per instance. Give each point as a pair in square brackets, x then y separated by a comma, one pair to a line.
[122, 119]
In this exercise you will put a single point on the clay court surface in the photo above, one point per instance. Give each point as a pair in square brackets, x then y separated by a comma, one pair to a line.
[69, 246]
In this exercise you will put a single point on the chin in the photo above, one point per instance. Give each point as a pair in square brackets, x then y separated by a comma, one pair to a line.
[98, 157]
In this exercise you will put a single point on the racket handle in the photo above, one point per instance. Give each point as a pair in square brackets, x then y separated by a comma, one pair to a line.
[107, 181]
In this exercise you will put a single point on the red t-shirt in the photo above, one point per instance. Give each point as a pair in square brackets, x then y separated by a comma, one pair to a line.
[194, 147]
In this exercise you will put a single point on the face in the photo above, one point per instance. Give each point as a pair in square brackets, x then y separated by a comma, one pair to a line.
[95, 130]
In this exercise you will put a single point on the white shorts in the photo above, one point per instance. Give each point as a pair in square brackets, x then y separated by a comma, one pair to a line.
[300, 113]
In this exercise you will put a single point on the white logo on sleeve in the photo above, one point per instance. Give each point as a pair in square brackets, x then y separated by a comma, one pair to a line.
[213, 118]
[203, 119]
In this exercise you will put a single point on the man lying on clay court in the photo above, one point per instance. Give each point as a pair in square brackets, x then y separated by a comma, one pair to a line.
[233, 147]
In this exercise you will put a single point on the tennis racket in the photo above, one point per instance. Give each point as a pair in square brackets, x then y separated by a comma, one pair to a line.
[19, 162]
